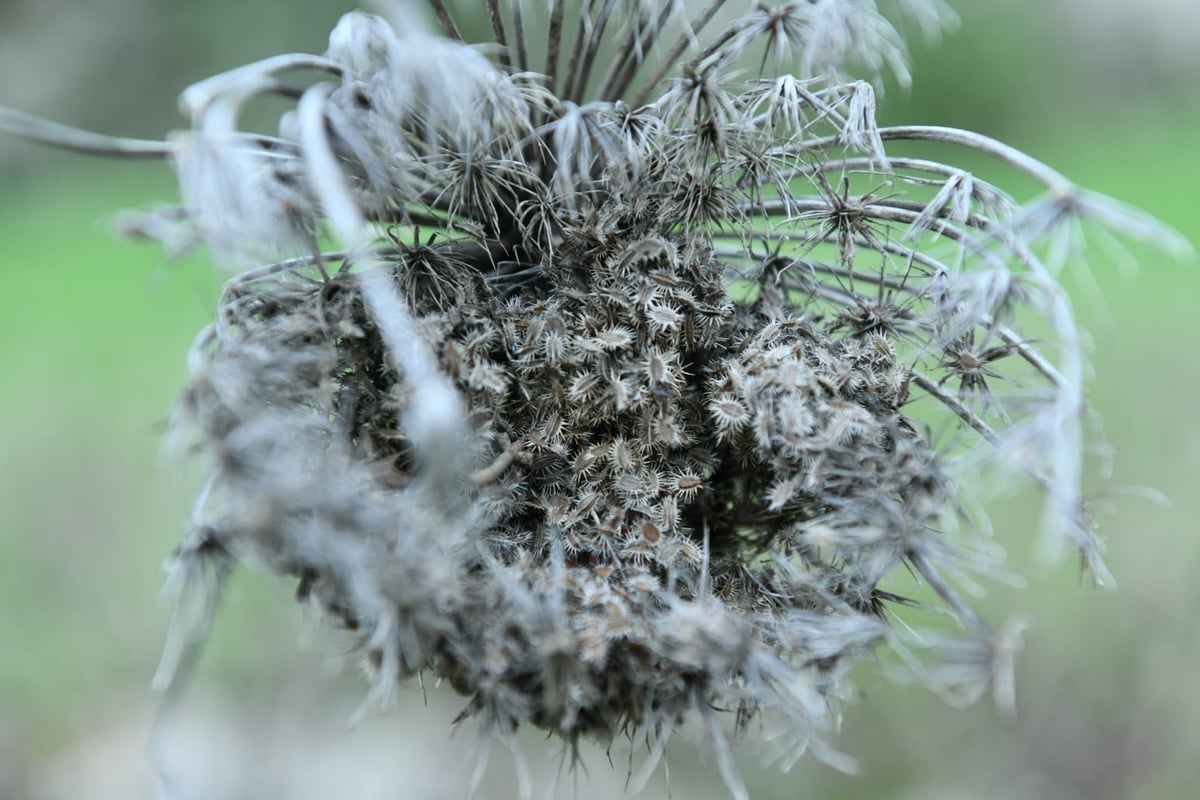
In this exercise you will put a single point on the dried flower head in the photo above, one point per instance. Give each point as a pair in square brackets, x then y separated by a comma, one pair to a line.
[615, 406]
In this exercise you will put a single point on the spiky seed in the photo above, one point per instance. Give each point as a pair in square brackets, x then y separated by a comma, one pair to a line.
[584, 387]
[488, 377]
[620, 393]
[614, 338]
[662, 317]
[621, 456]
[637, 551]
[686, 485]
[641, 254]
[666, 431]
[554, 347]
[781, 493]
[729, 414]
[587, 502]
[589, 459]
[668, 514]
[642, 582]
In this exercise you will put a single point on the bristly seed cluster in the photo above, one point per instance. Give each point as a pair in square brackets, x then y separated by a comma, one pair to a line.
[618, 405]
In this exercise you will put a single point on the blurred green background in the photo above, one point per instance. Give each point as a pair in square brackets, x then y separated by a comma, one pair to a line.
[93, 338]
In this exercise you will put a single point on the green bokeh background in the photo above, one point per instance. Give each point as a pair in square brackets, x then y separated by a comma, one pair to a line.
[93, 338]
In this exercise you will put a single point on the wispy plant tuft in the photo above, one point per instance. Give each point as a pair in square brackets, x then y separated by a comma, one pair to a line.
[615, 405]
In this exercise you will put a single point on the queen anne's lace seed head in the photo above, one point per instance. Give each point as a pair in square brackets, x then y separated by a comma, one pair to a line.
[604, 412]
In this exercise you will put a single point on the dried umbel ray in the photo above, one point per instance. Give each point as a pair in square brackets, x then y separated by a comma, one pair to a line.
[606, 412]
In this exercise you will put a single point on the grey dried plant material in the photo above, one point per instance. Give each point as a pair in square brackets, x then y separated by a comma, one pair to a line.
[616, 408]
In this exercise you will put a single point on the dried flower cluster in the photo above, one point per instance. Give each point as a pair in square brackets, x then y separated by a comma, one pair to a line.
[617, 406]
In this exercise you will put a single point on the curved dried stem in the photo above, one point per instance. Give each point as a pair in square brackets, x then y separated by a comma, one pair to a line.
[35, 129]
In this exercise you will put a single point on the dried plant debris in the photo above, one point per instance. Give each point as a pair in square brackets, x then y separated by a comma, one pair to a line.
[617, 407]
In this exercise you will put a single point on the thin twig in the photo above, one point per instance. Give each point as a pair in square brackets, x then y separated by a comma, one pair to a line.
[554, 43]
[446, 20]
[687, 38]
[578, 86]
[632, 60]
[518, 19]
[497, 21]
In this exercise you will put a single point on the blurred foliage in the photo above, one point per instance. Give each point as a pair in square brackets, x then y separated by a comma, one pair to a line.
[93, 336]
